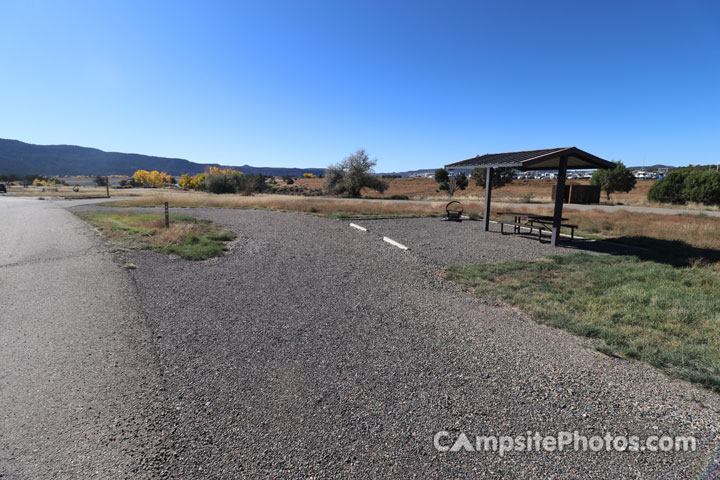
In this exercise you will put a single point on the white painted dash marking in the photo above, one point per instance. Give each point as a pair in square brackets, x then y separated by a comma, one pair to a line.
[358, 227]
[393, 242]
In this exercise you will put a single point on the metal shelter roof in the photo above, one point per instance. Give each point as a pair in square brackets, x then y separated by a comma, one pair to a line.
[546, 159]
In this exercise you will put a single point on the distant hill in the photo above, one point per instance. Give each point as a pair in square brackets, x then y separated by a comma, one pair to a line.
[25, 158]
[653, 167]
[425, 172]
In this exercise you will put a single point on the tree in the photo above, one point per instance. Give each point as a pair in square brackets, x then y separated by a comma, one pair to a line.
[619, 179]
[450, 184]
[353, 174]
[441, 176]
[499, 177]
[100, 181]
[152, 179]
[186, 181]
[198, 182]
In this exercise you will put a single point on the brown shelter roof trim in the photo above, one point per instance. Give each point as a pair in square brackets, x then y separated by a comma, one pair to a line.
[546, 159]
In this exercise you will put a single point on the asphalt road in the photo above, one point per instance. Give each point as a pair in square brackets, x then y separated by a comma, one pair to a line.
[79, 379]
[311, 350]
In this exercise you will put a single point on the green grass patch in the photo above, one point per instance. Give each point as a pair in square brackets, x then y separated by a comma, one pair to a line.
[188, 237]
[652, 311]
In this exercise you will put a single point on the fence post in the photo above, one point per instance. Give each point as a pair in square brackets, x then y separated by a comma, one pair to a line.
[107, 186]
[167, 216]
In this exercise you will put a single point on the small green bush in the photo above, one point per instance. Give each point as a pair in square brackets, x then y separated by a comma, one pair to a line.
[702, 186]
[669, 188]
[222, 184]
[249, 184]
[687, 185]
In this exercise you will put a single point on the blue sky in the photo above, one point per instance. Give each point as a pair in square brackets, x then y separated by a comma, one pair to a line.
[417, 83]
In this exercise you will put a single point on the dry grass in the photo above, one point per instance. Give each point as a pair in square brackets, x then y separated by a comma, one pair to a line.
[67, 191]
[699, 231]
[317, 205]
[539, 191]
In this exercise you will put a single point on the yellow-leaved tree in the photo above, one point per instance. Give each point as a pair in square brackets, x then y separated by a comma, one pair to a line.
[151, 179]
[194, 183]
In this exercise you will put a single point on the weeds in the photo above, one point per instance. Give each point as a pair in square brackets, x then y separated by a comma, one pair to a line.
[188, 237]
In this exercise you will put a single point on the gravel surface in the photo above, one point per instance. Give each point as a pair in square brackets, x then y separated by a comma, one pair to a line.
[446, 243]
[315, 350]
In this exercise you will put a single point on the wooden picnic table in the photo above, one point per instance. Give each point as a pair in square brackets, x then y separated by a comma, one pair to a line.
[532, 221]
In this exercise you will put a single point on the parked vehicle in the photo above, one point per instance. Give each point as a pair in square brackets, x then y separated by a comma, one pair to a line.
[3, 188]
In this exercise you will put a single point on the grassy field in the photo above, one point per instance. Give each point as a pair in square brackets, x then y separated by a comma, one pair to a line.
[648, 310]
[187, 237]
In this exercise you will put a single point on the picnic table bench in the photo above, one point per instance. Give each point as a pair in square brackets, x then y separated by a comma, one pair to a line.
[531, 222]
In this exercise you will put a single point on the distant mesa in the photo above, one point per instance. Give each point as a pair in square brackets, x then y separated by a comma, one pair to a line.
[64, 160]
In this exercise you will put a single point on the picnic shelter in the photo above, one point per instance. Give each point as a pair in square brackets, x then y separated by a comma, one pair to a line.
[560, 159]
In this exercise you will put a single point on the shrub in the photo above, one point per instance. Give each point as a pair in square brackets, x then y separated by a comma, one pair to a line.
[221, 184]
[352, 175]
[249, 184]
[669, 189]
[687, 185]
[227, 180]
[702, 186]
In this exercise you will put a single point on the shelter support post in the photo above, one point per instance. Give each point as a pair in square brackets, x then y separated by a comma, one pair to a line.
[488, 193]
[559, 200]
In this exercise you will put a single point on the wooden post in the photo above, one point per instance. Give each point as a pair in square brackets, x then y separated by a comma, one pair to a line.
[167, 216]
[559, 200]
[107, 186]
[488, 194]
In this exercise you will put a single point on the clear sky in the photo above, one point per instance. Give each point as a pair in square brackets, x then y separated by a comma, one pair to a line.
[417, 83]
